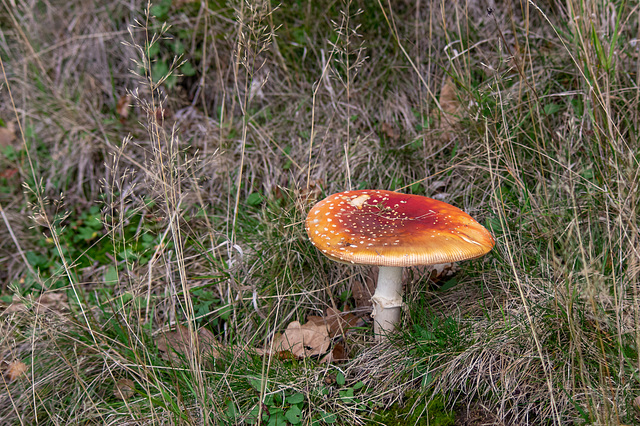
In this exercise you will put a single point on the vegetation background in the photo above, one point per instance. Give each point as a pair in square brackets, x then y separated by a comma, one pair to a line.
[157, 162]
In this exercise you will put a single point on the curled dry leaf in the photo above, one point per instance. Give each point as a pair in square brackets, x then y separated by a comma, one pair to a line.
[310, 193]
[173, 344]
[336, 322]
[122, 107]
[8, 173]
[7, 134]
[124, 389]
[443, 271]
[14, 370]
[450, 108]
[303, 340]
[337, 354]
[389, 131]
[448, 99]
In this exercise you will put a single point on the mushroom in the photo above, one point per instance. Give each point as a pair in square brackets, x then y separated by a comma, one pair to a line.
[393, 230]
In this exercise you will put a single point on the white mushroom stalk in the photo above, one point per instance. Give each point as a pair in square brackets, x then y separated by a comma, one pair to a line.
[387, 301]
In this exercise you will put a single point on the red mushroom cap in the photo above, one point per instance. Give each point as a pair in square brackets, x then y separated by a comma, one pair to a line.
[386, 228]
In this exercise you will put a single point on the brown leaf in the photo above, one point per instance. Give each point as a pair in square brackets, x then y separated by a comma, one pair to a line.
[339, 322]
[443, 271]
[122, 107]
[389, 131]
[303, 340]
[8, 173]
[7, 134]
[311, 193]
[450, 108]
[315, 319]
[337, 354]
[173, 343]
[14, 370]
[160, 114]
[124, 389]
[46, 301]
[448, 99]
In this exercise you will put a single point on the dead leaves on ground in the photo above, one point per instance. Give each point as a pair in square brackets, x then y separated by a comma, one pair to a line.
[7, 134]
[303, 340]
[7, 138]
[336, 322]
[174, 345]
[122, 107]
[450, 108]
[319, 336]
[13, 370]
[316, 336]
[56, 302]
[125, 389]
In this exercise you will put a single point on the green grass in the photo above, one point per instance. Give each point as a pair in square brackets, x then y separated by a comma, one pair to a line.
[190, 210]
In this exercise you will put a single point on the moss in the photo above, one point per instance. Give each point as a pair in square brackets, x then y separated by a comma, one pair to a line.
[435, 413]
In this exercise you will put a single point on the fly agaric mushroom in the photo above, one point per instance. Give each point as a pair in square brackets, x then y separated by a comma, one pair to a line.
[393, 230]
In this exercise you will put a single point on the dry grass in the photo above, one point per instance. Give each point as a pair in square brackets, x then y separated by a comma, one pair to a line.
[525, 116]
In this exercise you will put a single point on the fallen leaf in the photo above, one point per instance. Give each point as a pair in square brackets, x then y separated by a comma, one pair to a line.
[160, 114]
[443, 270]
[14, 370]
[303, 340]
[8, 173]
[124, 389]
[311, 193]
[448, 99]
[336, 322]
[7, 134]
[52, 301]
[122, 107]
[337, 354]
[389, 131]
[450, 108]
[46, 301]
[172, 344]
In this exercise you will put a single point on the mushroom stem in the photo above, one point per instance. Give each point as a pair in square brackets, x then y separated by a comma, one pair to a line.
[387, 301]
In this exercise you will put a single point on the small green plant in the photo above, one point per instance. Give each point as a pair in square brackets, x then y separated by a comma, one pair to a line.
[205, 302]
[165, 53]
[279, 408]
[347, 393]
